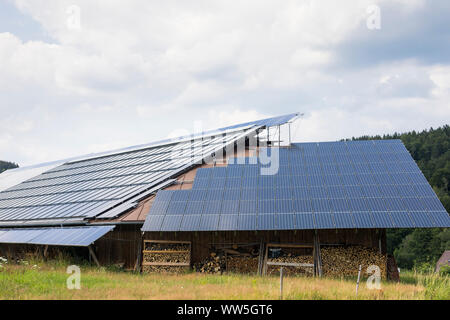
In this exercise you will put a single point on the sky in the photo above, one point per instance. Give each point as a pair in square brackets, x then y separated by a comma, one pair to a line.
[86, 76]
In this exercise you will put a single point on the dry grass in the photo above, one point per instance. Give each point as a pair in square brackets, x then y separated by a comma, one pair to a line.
[48, 281]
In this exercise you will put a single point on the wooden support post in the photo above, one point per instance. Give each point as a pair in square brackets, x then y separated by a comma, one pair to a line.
[266, 257]
[45, 251]
[357, 281]
[92, 254]
[137, 266]
[317, 256]
[281, 283]
[379, 240]
[261, 258]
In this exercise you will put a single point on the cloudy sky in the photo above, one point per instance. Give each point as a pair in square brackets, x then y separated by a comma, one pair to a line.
[86, 76]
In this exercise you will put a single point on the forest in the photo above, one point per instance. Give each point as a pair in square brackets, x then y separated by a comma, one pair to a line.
[421, 248]
[4, 165]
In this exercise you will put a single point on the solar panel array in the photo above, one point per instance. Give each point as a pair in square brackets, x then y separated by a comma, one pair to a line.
[331, 185]
[70, 236]
[88, 188]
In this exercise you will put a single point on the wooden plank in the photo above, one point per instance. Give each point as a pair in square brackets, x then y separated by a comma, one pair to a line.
[290, 264]
[93, 256]
[167, 241]
[174, 264]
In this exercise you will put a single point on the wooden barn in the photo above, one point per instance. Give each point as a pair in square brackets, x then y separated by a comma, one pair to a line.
[236, 199]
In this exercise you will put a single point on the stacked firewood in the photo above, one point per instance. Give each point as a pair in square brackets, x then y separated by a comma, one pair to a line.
[214, 264]
[230, 259]
[242, 264]
[165, 257]
[164, 269]
[344, 261]
[291, 258]
[155, 246]
[173, 257]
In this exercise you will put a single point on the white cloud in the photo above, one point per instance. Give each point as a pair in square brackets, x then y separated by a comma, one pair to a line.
[136, 71]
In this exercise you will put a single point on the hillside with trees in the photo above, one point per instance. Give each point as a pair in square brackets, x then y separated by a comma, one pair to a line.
[4, 165]
[421, 248]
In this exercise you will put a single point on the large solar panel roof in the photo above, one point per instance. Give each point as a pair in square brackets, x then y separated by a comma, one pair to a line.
[91, 186]
[330, 185]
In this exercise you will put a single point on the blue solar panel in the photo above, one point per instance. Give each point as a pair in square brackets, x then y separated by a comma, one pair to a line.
[305, 221]
[284, 193]
[284, 206]
[230, 207]
[302, 205]
[233, 183]
[209, 222]
[249, 182]
[181, 195]
[234, 194]
[353, 184]
[153, 222]
[212, 207]
[160, 207]
[363, 220]
[203, 173]
[218, 172]
[67, 236]
[197, 195]
[376, 204]
[344, 220]
[350, 180]
[301, 193]
[267, 222]
[440, 218]
[201, 183]
[176, 207]
[171, 223]
[325, 220]
[286, 221]
[421, 220]
[358, 204]
[336, 192]
[340, 205]
[190, 222]
[266, 206]
[214, 195]
[248, 207]
[433, 204]
[228, 222]
[402, 220]
[382, 220]
[234, 171]
[321, 205]
[318, 192]
[247, 222]
[217, 183]
[193, 208]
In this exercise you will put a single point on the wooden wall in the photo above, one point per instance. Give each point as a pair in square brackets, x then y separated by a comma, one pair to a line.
[203, 241]
[120, 246]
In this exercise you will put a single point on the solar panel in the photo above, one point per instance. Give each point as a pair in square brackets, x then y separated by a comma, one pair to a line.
[68, 236]
[247, 222]
[108, 180]
[352, 184]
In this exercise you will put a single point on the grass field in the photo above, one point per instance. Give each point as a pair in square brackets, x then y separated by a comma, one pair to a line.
[39, 280]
